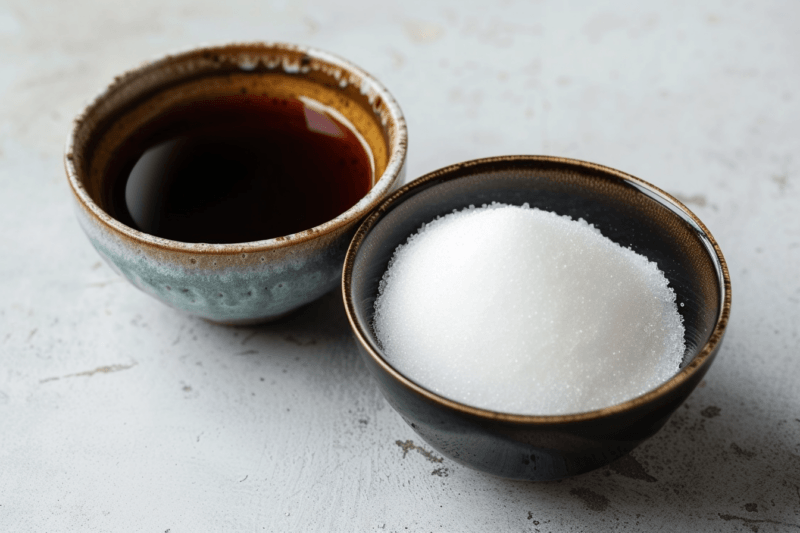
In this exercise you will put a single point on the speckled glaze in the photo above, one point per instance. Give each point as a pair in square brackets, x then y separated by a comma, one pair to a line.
[627, 210]
[246, 282]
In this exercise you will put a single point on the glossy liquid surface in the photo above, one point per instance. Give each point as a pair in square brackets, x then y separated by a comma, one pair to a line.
[236, 169]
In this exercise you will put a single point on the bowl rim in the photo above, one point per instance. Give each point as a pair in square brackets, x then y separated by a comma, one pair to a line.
[369, 85]
[697, 364]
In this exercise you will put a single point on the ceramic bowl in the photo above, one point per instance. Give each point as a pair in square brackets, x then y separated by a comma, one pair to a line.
[244, 282]
[625, 209]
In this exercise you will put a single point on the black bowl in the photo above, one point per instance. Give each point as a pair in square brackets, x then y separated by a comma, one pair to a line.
[627, 210]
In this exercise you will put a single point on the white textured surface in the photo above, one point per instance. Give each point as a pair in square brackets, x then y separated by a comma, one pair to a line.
[162, 422]
[523, 311]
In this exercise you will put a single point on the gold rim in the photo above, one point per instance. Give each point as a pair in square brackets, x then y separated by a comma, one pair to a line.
[685, 373]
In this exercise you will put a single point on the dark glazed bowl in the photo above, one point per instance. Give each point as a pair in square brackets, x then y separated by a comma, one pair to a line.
[625, 209]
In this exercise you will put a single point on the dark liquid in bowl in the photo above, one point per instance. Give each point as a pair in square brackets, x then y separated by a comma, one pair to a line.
[236, 169]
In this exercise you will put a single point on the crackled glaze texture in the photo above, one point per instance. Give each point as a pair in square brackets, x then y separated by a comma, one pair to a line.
[235, 288]
[232, 283]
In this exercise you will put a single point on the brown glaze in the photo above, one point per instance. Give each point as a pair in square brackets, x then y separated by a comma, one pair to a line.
[243, 282]
[627, 210]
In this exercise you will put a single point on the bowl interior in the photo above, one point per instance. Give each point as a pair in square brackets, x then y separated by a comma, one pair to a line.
[274, 70]
[626, 210]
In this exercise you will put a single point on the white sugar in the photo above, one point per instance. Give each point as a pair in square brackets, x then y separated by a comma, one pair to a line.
[523, 311]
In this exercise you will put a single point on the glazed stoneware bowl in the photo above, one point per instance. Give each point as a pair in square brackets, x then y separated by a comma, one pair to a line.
[244, 282]
[625, 209]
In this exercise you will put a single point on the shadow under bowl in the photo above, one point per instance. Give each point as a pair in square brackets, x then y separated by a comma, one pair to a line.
[625, 209]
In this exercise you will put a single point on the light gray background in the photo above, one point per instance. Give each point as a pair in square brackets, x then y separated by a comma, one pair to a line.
[119, 414]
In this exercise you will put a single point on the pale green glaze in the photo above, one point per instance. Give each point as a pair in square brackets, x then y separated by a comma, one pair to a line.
[232, 283]
[238, 288]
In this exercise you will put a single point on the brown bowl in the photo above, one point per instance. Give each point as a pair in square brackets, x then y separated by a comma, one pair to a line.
[246, 282]
[627, 210]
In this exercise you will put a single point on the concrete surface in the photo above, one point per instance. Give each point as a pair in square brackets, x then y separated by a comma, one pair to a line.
[119, 414]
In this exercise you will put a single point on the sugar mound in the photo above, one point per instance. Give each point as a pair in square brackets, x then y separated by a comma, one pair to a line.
[524, 311]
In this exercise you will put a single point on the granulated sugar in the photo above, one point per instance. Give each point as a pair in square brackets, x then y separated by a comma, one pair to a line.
[523, 311]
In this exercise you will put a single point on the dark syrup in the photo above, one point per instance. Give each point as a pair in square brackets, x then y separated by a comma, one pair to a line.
[236, 169]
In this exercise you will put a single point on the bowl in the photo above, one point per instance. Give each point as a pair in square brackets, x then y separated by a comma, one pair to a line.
[627, 210]
[247, 282]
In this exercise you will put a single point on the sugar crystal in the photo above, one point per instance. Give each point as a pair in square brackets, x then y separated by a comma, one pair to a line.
[523, 311]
